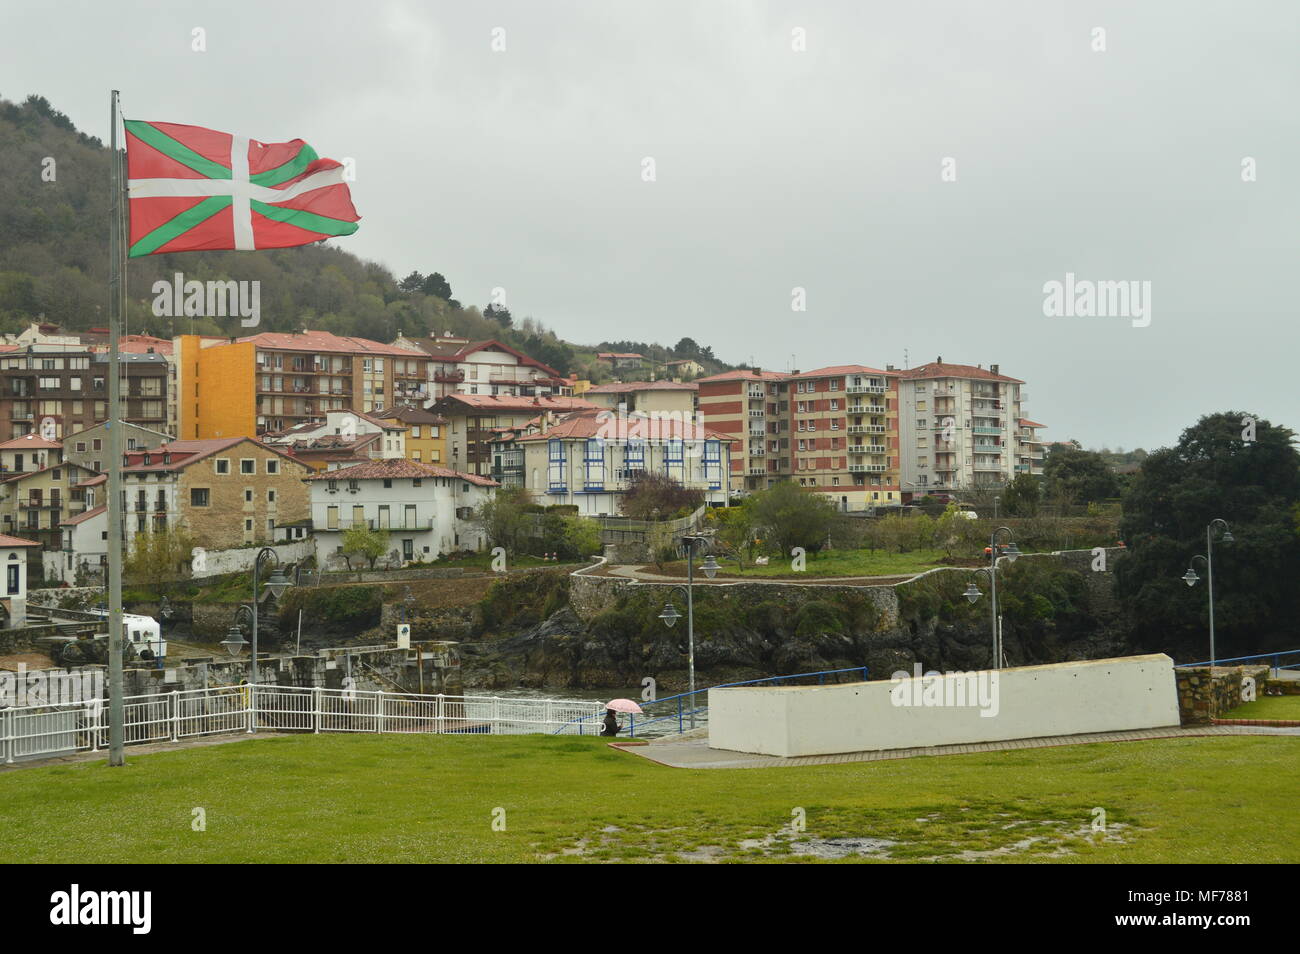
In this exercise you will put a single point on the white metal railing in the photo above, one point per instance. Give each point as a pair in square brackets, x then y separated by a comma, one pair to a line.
[45, 731]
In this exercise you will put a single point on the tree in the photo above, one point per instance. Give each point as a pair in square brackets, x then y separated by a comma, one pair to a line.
[159, 556]
[1021, 497]
[413, 282]
[737, 531]
[1214, 472]
[1079, 476]
[653, 496]
[790, 517]
[363, 542]
[500, 314]
[505, 519]
[437, 286]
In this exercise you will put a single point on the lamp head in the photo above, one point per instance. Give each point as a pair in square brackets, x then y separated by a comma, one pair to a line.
[1011, 552]
[710, 566]
[278, 583]
[972, 593]
[234, 641]
[1190, 577]
[670, 616]
[1227, 536]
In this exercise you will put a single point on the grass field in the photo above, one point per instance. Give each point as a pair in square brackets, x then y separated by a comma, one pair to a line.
[1267, 707]
[831, 563]
[336, 798]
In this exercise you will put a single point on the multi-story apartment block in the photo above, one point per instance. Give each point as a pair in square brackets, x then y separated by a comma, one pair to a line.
[753, 408]
[35, 503]
[590, 458]
[959, 427]
[475, 420]
[460, 366]
[427, 510]
[226, 493]
[1029, 448]
[844, 435]
[54, 390]
[273, 381]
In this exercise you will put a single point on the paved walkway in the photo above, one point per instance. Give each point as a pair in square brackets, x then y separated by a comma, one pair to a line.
[696, 754]
[638, 571]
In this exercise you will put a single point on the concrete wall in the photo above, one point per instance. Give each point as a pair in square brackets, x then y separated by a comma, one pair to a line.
[239, 560]
[1101, 695]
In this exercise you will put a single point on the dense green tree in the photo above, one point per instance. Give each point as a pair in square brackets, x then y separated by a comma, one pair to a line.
[1214, 472]
[365, 543]
[1079, 476]
[788, 517]
[1021, 497]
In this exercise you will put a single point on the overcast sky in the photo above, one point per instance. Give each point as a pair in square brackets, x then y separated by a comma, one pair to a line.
[778, 168]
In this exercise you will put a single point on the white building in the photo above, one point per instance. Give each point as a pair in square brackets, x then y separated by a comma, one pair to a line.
[461, 366]
[342, 434]
[13, 554]
[590, 458]
[959, 427]
[426, 509]
[84, 547]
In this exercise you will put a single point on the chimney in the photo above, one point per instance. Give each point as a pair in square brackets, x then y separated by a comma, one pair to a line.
[889, 367]
[939, 360]
[993, 368]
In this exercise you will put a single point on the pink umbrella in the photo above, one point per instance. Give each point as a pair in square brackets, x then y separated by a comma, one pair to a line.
[622, 705]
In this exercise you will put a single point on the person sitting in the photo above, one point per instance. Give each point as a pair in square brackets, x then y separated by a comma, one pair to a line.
[611, 723]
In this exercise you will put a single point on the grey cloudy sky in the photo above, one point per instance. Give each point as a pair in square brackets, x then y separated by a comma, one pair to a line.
[775, 169]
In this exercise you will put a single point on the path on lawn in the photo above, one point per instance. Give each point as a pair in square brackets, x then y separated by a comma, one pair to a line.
[638, 571]
[695, 753]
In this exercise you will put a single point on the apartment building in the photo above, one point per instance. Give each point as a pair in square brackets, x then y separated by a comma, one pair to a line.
[460, 366]
[427, 510]
[590, 458]
[475, 420]
[226, 492]
[753, 408]
[273, 381]
[959, 427]
[53, 389]
[89, 448]
[35, 503]
[1029, 448]
[663, 397]
[844, 435]
[426, 432]
[343, 438]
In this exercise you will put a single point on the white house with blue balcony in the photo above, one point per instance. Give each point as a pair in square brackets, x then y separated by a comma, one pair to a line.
[589, 458]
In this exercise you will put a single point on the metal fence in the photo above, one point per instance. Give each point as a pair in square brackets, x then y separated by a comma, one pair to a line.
[44, 731]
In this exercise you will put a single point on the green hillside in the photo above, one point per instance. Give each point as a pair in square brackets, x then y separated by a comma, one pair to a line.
[54, 264]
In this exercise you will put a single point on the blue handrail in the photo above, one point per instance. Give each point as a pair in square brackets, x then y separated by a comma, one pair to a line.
[1276, 657]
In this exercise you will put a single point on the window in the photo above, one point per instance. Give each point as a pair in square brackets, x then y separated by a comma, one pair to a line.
[270, 496]
[96, 444]
[223, 465]
[272, 466]
[388, 483]
[247, 465]
[248, 525]
[248, 495]
[198, 496]
[81, 447]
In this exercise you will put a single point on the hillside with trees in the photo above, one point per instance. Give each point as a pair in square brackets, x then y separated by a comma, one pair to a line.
[54, 224]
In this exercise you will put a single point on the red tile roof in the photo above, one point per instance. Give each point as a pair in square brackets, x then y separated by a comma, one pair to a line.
[623, 387]
[843, 369]
[410, 415]
[185, 453]
[30, 442]
[457, 351]
[745, 374]
[1026, 422]
[941, 369]
[326, 342]
[505, 402]
[399, 468]
[83, 517]
[8, 542]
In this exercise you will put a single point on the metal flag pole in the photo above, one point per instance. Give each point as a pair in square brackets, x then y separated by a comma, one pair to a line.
[116, 308]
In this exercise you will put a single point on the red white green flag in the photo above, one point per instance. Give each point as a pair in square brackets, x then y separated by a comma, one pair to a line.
[194, 189]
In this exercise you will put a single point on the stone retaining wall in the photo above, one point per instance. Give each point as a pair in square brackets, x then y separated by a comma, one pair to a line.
[1203, 695]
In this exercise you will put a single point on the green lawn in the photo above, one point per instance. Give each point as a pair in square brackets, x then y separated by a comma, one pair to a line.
[831, 563]
[339, 798]
[1267, 707]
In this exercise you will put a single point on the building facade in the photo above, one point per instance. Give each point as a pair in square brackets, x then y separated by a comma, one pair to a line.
[426, 510]
[474, 421]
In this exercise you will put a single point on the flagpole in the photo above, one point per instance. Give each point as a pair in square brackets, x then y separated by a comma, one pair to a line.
[116, 307]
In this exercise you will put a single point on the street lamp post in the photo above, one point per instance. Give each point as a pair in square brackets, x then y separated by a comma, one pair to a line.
[670, 616]
[1190, 577]
[276, 586]
[972, 593]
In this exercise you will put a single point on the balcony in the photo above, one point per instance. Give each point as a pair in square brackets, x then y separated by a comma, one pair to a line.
[757, 413]
[866, 448]
[757, 452]
[757, 471]
[865, 389]
[449, 377]
[756, 395]
[987, 430]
